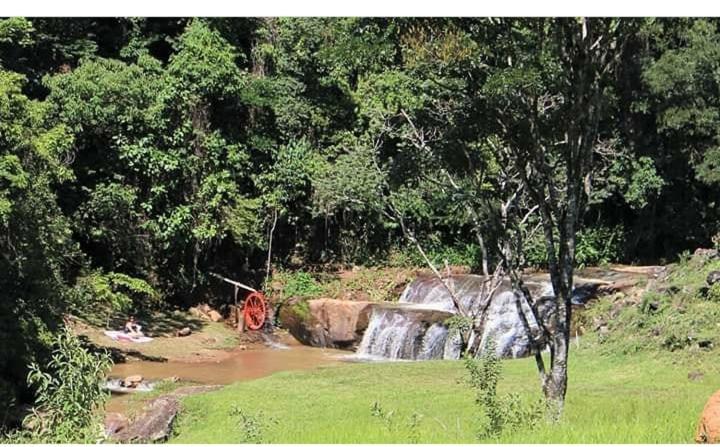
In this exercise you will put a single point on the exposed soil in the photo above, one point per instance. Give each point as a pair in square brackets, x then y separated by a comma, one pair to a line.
[208, 341]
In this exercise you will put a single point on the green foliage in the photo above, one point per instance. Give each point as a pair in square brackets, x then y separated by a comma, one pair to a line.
[204, 64]
[678, 314]
[334, 188]
[407, 256]
[500, 413]
[242, 220]
[70, 393]
[299, 284]
[713, 293]
[16, 31]
[594, 245]
[38, 245]
[644, 183]
[459, 323]
[97, 295]
[599, 245]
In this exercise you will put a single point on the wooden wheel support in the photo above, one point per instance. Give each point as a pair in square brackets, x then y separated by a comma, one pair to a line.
[254, 311]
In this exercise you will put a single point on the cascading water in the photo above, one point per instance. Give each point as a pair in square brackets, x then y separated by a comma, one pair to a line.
[414, 328]
[404, 332]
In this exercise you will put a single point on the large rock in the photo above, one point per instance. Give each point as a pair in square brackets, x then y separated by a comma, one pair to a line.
[713, 277]
[205, 312]
[115, 423]
[708, 253]
[325, 322]
[154, 424]
[708, 429]
[214, 316]
[184, 332]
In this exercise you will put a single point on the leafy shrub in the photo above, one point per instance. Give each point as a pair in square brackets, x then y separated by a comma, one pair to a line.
[599, 245]
[593, 246]
[69, 394]
[713, 293]
[500, 412]
[461, 254]
[299, 284]
[100, 294]
[534, 251]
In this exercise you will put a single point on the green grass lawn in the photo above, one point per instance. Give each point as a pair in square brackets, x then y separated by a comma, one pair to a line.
[638, 399]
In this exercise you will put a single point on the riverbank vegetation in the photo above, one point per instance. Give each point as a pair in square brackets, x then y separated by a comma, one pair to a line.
[137, 156]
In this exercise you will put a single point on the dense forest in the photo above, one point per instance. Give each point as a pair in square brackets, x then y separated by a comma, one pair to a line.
[138, 155]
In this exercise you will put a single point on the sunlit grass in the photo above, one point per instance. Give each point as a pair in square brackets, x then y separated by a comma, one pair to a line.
[639, 399]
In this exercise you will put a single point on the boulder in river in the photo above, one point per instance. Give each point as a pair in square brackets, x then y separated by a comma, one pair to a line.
[708, 429]
[132, 381]
[327, 323]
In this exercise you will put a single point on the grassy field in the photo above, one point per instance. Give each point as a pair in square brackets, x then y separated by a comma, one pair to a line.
[622, 399]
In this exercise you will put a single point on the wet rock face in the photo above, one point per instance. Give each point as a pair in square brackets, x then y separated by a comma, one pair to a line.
[407, 331]
[327, 323]
[708, 429]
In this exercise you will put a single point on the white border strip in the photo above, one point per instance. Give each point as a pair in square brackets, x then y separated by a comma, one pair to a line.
[301, 8]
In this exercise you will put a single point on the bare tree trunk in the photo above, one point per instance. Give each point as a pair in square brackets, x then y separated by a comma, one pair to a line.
[270, 241]
[555, 381]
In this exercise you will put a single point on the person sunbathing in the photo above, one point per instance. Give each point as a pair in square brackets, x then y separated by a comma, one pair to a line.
[132, 328]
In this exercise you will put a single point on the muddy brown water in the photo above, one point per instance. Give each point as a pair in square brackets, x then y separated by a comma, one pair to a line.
[240, 366]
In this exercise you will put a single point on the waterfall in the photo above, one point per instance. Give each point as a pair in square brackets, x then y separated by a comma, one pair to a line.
[398, 333]
[414, 328]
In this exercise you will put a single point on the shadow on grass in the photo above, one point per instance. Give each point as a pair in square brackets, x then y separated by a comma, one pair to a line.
[119, 355]
[160, 324]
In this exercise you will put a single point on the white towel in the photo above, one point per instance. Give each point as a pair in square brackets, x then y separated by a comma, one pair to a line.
[122, 336]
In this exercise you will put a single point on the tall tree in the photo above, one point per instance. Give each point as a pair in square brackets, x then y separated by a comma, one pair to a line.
[550, 88]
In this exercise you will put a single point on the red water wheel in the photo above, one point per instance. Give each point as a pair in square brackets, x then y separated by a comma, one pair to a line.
[255, 311]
